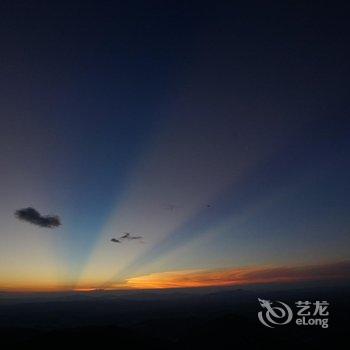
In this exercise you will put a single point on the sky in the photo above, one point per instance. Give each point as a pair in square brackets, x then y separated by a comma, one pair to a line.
[218, 132]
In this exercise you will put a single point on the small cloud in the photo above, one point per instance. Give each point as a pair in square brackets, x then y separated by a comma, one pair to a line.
[34, 217]
[129, 236]
[172, 207]
[115, 240]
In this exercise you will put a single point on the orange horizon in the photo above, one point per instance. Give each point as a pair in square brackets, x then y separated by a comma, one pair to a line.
[204, 278]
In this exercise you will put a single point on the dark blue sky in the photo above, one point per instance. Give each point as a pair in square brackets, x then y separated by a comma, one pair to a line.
[111, 112]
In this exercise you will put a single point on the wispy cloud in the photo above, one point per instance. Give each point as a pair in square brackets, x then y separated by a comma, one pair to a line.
[128, 236]
[34, 217]
[242, 276]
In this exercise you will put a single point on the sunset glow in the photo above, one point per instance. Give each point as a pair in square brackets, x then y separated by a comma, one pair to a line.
[242, 276]
[196, 131]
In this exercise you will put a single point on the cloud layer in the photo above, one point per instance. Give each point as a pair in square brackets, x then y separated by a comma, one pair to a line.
[242, 276]
[34, 217]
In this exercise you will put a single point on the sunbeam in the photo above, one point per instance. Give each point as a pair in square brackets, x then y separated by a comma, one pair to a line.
[196, 174]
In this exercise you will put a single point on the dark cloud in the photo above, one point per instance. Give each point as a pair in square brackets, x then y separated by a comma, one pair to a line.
[34, 217]
[129, 236]
[125, 236]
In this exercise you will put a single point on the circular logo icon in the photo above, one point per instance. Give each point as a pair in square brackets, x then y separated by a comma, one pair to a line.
[274, 313]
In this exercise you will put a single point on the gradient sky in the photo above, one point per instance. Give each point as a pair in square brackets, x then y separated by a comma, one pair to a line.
[112, 112]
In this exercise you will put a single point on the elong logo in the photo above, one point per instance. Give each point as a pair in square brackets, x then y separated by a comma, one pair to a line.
[276, 313]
